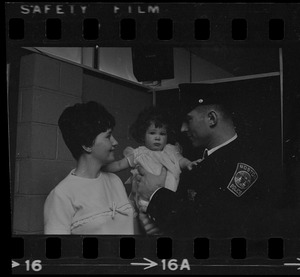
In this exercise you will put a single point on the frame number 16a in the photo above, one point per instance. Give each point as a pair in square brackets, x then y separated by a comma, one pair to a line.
[173, 264]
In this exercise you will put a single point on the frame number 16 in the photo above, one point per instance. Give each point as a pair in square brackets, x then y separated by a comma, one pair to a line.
[34, 265]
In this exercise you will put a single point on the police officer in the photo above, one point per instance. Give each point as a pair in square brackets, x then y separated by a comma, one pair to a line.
[225, 194]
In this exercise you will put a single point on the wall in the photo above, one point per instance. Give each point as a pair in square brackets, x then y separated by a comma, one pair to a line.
[190, 68]
[46, 87]
[202, 70]
[118, 61]
[122, 100]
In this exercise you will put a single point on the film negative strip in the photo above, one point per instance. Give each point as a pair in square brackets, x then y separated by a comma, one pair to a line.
[221, 79]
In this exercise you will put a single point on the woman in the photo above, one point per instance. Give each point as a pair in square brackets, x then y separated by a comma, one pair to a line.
[88, 200]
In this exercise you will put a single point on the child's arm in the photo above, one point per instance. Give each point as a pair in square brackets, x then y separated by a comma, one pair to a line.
[117, 166]
[186, 163]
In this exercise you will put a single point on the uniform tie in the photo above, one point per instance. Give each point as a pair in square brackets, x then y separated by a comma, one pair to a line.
[205, 155]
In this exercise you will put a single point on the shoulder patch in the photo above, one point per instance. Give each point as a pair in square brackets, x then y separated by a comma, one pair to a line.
[243, 178]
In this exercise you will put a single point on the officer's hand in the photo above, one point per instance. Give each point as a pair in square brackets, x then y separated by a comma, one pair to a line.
[147, 183]
[149, 227]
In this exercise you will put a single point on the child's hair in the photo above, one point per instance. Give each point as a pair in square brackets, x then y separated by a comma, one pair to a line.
[151, 115]
[82, 123]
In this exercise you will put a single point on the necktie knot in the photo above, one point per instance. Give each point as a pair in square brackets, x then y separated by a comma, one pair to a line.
[205, 155]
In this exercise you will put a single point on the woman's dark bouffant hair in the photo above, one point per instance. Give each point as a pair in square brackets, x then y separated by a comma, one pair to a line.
[151, 115]
[82, 123]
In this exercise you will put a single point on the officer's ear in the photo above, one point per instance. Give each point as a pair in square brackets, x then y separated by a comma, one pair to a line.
[212, 118]
[87, 149]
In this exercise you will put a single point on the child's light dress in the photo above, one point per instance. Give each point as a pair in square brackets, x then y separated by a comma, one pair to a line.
[153, 161]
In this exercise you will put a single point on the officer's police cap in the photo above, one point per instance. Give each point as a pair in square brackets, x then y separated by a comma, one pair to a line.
[195, 94]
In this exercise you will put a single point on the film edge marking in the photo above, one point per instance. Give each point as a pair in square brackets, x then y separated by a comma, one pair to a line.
[14, 264]
[293, 264]
[149, 264]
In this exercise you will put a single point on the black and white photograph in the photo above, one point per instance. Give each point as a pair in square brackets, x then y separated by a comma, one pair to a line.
[194, 140]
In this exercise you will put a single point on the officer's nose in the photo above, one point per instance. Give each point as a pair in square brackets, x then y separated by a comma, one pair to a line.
[184, 127]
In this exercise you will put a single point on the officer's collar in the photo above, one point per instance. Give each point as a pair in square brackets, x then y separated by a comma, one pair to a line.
[210, 151]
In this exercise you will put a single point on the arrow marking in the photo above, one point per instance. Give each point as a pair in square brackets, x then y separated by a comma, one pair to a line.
[149, 264]
[294, 264]
[14, 264]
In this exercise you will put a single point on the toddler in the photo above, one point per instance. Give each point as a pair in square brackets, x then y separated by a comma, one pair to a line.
[151, 129]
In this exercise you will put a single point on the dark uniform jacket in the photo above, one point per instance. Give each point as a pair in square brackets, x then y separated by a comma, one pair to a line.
[224, 196]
